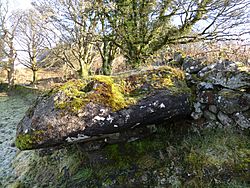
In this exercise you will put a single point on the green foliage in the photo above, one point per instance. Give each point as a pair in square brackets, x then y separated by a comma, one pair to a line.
[144, 27]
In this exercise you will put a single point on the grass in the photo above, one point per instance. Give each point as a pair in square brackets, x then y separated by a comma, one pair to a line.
[174, 157]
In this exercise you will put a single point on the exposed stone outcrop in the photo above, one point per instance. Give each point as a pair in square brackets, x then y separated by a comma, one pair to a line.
[105, 109]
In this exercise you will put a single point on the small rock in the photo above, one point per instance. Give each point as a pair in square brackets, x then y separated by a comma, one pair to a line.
[192, 66]
[213, 108]
[206, 97]
[230, 101]
[241, 120]
[178, 57]
[205, 86]
[197, 107]
[188, 76]
[163, 181]
[225, 119]
[197, 111]
[144, 178]
[209, 115]
[196, 115]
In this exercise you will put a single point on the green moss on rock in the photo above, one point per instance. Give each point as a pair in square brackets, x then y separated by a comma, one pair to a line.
[26, 141]
[118, 92]
[97, 89]
[229, 94]
[109, 93]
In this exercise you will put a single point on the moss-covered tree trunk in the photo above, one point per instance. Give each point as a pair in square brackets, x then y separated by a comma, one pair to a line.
[108, 57]
[135, 57]
[83, 71]
[34, 67]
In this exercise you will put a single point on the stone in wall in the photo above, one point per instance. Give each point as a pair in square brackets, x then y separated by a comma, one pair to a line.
[230, 101]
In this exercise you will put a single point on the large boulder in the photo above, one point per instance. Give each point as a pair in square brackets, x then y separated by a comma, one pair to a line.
[105, 108]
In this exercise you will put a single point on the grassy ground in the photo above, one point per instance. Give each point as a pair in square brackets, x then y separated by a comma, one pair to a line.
[174, 157]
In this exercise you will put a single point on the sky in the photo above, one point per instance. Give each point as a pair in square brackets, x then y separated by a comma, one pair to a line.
[19, 4]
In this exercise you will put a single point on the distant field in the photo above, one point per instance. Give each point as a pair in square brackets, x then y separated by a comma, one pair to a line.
[24, 75]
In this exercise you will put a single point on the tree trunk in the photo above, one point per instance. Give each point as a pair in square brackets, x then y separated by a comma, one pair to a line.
[34, 77]
[135, 57]
[83, 71]
[106, 67]
[108, 57]
[11, 65]
[11, 73]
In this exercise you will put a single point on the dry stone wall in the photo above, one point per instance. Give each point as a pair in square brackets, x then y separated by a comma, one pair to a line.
[222, 91]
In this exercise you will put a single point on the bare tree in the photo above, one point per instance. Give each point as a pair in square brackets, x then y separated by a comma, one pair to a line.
[32, 41]
[8, 26]
[139, 28]
[74, 23]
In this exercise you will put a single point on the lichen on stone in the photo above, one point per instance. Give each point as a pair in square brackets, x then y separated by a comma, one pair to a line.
[109, 93]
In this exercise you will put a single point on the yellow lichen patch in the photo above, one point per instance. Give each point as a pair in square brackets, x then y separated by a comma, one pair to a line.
[230, 94]
[74, 95]
[73, 87]
[177, 73]
[245, 69]
[161, 78]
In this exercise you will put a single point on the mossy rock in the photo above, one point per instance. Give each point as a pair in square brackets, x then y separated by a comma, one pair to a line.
[118, 92]
[98, 89]
[99, 106]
